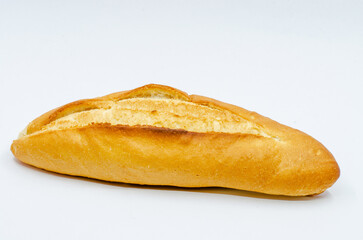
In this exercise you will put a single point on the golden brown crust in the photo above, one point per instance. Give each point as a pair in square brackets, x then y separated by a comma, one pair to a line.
[290, 163]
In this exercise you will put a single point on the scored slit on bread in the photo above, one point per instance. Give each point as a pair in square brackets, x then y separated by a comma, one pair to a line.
[151, 105]
[160, 112]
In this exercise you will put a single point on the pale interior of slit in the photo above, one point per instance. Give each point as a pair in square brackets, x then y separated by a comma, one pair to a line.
[158, 112]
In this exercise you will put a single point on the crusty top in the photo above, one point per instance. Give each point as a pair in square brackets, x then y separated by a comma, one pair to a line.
[157, 106]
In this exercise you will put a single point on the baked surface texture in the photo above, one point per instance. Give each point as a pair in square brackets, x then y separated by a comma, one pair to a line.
[158, 135]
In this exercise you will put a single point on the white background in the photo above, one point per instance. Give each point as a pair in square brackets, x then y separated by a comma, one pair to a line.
[297, 62]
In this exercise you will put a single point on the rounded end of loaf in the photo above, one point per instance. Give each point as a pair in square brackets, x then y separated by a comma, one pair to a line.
[16, 146]
[14, 149]
[322, 170]
[330, 172]
[20, 147]
[307, 168]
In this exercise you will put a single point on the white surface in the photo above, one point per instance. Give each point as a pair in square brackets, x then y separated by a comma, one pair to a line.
[298, 62]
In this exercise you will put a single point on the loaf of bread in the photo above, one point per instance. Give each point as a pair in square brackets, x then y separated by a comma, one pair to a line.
[158, 135]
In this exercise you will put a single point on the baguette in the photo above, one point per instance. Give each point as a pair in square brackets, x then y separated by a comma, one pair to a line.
[158, 135]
